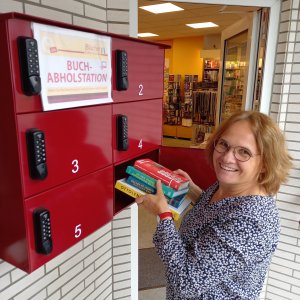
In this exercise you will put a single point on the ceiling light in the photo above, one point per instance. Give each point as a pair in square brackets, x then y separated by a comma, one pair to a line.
[202, 25]
[161, 8]
[146, 34]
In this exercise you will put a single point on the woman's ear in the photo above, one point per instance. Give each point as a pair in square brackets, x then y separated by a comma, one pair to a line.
[261, 172]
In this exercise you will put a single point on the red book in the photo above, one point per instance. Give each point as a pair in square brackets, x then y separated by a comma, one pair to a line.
[157, 171]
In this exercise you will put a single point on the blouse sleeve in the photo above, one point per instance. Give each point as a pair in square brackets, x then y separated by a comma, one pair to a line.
[217, 254]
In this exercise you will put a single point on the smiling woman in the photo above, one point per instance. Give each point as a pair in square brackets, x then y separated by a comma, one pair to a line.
[260, 135]
[235, 218]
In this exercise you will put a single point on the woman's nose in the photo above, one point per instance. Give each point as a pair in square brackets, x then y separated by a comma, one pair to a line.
[229, 155]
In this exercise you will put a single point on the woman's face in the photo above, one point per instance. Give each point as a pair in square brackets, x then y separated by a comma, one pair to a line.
[228, 169]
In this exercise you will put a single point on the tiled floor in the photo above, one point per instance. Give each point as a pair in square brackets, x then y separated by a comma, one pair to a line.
[153, 294]
[147, 225]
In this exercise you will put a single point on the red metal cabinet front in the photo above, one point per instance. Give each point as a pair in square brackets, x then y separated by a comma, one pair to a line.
[23, 103]
[77, 209]
[81, 154]
[144, 127]
[145, 70]
[78, 141]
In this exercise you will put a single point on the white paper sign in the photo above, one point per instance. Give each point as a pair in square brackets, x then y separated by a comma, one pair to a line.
[75, 67]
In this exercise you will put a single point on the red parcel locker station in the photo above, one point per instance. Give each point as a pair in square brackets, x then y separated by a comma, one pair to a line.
[77, 107]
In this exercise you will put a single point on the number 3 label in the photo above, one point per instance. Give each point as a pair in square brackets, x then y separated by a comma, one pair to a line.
[75, 166]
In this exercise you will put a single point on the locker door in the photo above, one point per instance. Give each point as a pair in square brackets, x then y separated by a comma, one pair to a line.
[145, 70]
[23, 103]
[77, 209]
[144, 127]
[78, 141]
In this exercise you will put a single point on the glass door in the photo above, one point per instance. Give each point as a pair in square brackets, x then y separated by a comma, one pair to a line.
[234, 74]
[242, 53]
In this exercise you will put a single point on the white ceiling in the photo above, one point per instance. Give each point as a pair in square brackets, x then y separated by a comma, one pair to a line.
[172, 25]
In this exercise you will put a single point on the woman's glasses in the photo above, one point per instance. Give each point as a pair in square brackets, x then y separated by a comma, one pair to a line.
[239, 152]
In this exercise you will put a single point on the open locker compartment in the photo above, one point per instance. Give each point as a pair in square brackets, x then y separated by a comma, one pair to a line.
[121, 200]
[192, 161]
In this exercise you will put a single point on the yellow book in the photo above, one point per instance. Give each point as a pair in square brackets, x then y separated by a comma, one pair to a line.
[134, 192]
[128, 189]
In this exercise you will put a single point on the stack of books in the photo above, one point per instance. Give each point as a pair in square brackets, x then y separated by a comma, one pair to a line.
[142, 178]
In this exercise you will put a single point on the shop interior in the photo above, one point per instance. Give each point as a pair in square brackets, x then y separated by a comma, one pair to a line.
[209, 74]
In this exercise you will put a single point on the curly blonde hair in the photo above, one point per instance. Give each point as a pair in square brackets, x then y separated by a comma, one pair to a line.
[276, 161]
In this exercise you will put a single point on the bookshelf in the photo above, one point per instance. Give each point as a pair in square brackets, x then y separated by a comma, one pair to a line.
[178, 106]
[211, 73]
[172, 101]
[233, 87]
[186, 109]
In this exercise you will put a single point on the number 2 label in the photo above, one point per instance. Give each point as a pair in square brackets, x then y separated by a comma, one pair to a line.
[141, 87]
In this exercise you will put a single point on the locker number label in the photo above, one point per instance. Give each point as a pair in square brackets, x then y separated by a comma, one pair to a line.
[78, 231]
[75, 166]
[140, 145]
[141, 87]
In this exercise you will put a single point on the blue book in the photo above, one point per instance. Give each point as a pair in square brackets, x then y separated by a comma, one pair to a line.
[151, 182]
[134, 192]
[140, 185]
[176, 201]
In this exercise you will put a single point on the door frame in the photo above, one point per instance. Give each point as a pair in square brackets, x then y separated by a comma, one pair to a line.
[271, 47]
[245, 24]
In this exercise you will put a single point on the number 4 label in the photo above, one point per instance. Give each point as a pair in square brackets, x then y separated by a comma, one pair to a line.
[140, 144]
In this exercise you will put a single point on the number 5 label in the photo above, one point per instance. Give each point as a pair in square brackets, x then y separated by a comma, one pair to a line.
[78, 231]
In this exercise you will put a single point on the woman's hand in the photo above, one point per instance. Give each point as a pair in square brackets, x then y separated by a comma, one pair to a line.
[194, 190]
[154, 203]
[183, 174]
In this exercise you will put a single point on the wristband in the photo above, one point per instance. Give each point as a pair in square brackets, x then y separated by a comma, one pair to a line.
[165, 215]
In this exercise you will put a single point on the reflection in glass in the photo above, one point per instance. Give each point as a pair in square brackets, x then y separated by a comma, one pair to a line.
[263, 35]
[235, 62]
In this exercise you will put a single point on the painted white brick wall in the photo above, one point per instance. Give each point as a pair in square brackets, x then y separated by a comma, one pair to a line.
[283, 280]
[99, 266]
[122, 255]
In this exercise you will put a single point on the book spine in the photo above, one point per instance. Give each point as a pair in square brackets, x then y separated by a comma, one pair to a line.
[176, 201]
[176, 215]
[141, 185]
[128, 190]
[168, 191]
[141, 176]
[163, 175]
